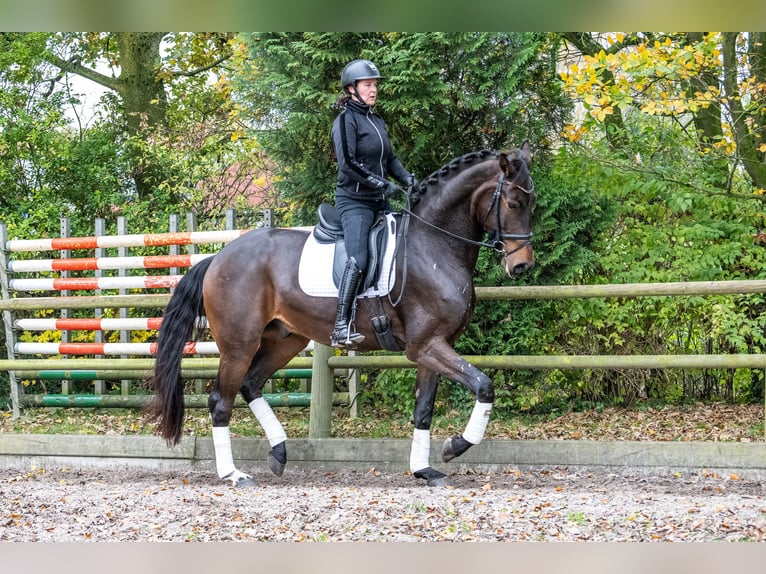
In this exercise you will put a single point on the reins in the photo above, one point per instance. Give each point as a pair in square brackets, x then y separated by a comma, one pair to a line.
[496, 244]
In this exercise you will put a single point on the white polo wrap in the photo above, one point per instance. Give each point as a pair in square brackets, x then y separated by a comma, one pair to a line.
[477, 424]
[273, 429]
[421, 449]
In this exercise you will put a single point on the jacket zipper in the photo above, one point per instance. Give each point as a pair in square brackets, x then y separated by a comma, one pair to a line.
[382, 147]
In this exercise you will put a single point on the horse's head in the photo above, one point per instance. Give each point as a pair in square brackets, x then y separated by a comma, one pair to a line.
[503, 206]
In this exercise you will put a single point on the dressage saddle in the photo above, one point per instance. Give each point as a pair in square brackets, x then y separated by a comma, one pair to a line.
[330, 230]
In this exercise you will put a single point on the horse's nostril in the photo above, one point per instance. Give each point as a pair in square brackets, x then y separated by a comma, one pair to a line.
[520, 269]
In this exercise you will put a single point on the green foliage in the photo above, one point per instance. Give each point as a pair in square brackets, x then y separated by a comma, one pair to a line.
[670, 227]
[392, 389]
[444, 94]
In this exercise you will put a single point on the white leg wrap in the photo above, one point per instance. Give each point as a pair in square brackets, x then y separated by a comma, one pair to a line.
[224, 460]
[273, 429]
[421, 449]
[477, 424]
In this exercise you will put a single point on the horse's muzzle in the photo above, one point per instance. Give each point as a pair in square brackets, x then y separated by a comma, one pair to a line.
[519, 269]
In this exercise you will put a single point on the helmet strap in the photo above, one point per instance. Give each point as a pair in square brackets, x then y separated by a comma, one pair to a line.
[355, 95]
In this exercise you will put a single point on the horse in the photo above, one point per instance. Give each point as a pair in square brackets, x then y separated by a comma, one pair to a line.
[261, 319]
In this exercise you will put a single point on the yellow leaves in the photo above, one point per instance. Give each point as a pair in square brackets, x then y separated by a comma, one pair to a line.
[649, 108]
[601, 113]
[573, 133]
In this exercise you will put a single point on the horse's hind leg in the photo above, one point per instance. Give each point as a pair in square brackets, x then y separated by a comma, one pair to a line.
[221, 404]
[277, 348]
[425, 395]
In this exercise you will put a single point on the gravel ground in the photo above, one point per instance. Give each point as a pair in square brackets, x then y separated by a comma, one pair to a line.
[309, 505]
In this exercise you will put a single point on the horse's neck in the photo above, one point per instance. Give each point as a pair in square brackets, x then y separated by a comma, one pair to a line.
[449, 207]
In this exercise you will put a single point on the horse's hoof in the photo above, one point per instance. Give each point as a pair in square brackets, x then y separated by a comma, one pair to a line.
[432, 476]
[244, 482]
[275, 466]
[239, 479]
[277, 459]
[453, 447]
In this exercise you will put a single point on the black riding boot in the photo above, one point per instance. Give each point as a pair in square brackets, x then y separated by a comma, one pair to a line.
[343, 336]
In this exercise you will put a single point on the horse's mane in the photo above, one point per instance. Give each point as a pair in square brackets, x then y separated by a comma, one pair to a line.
[467, 160]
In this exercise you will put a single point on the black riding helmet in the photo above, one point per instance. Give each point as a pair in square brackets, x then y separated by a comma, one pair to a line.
[359, 70]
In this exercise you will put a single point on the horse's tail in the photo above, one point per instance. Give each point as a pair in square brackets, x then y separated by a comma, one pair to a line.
[178, 327]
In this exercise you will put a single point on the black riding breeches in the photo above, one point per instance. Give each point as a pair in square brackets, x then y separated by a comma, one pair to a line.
[357, 218]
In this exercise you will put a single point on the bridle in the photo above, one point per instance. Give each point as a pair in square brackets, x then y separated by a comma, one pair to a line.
[496, 236]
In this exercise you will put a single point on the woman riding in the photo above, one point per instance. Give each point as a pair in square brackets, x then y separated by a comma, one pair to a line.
[365, 160]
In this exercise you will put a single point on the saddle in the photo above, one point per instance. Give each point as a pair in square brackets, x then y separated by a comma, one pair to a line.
[330, 230]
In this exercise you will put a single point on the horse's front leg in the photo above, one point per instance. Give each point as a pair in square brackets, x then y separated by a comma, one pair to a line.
[420, 452]
[443, 359]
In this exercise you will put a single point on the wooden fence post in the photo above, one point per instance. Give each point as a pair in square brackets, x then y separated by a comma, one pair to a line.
[65, 231]
[122, 229]
[320, 411]
[99, 386]
[16, 389]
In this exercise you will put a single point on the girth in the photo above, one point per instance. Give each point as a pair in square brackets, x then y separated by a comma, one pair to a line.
[330, 230]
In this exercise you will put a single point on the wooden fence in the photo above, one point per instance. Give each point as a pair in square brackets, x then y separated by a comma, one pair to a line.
[324, 362]
[117, 282]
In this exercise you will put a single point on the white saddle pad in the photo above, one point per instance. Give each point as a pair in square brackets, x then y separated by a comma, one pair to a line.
[315, 268]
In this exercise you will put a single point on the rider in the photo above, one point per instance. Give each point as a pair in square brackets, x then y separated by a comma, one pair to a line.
[365, 159]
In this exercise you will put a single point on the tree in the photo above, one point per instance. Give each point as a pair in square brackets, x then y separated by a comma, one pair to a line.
[711, 84]
[164, 134]
[45, 172]
[141, 78]
[444, 94]
[688, 204]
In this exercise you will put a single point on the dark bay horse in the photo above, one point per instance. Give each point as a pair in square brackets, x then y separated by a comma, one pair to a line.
[260, 318]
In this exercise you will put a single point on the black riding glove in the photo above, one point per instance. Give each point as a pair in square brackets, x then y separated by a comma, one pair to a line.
[392, 190]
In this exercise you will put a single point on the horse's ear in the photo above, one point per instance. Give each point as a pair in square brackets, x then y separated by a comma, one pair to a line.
[526, 152]
[505, 165]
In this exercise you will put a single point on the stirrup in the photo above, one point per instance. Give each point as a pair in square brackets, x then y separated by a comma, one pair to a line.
[345, 340]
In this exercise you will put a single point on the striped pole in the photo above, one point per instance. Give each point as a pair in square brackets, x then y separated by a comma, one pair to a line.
[89, 375]
[200, 348]
[93, 263]
[93, 324]
[145, 240]
[91, 283]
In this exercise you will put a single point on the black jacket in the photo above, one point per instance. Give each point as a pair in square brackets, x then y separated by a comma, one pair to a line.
[364, 153]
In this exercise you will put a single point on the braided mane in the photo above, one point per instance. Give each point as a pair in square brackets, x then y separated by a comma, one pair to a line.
[458, 164]
[455, 166]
